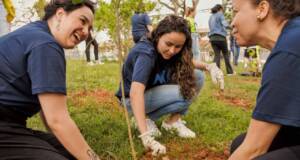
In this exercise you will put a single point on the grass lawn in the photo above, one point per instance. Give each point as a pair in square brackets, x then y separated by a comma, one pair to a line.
[215, 117]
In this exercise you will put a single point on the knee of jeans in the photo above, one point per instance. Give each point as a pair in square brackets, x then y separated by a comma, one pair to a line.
[182, 107]
[199, 78]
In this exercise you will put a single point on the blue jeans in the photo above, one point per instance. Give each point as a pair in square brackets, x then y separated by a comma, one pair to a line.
[195, 47]
[167, 99]
[235, 49]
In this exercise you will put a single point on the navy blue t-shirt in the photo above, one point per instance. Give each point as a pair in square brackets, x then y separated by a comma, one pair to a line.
[139, 24]
[278, 100]
[31, 62]
[146, 66]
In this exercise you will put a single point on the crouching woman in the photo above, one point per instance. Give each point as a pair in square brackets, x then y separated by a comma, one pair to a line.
[159, 79]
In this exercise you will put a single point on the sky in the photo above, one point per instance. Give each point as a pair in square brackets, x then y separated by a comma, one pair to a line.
[201, 18]
[203, 11]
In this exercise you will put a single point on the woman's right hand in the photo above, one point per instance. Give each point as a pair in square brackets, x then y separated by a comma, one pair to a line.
[150, 143]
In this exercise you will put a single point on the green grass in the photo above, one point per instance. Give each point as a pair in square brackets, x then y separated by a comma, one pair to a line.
[102, 122]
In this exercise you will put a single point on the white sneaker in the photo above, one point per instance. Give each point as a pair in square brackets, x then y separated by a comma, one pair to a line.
[99, 62]
[180, 128]
[151, 126]
[90, 63]
[231, 74]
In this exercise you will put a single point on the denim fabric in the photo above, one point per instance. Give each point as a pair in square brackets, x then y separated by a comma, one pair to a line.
[217, 24]
[195, 47]
[235, 49]
[166, 99]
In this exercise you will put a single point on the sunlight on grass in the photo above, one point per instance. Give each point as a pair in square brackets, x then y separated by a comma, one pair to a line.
[94, 108]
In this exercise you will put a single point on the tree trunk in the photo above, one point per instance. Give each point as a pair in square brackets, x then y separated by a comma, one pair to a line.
[118, 31]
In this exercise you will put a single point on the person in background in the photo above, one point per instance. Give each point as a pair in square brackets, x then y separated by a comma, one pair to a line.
[91, 40]
[33, 79]
[274, 129]
[252, 63]
[216, 73]
[140, 24]
[190, 16]
[217, 37]
[235, 50]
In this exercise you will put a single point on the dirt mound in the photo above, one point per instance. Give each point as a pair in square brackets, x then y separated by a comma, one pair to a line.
[101, 96]
[235, 101]
[200, 154]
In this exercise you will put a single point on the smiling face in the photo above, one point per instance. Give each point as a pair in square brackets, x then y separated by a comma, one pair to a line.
[245, 23]
[74, 26]
[170, 44]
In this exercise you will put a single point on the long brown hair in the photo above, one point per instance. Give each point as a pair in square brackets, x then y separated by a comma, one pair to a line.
[182, 70]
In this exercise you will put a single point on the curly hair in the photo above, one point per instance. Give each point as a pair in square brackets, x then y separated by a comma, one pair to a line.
[67, 5]
[284, 8]
[183, 71]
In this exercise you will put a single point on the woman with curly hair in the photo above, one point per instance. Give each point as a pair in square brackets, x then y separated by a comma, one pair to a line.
[159, 79]
[274, 130]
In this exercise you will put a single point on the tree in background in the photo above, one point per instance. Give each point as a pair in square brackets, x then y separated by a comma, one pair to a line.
[118, 25]
[227, 4]
[178, 7]
[39, 7]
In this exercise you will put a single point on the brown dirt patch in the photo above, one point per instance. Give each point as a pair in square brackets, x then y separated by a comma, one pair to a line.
[233, 100]
[186, 151]
[188, 154]
[250, 80]
[100, 96]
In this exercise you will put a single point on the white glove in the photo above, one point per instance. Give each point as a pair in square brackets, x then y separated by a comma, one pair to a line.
[93, 35]
[216, 74]
[150, 143]
[259, 68]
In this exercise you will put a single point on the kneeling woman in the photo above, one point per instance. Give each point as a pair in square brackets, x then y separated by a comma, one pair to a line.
[159, 79]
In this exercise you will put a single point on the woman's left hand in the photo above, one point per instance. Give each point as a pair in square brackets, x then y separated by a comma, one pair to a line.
[216, 74]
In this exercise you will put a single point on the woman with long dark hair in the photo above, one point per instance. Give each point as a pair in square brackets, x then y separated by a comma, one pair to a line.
[159, 79]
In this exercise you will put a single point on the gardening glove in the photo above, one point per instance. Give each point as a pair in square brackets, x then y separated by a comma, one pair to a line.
[259, 68]
[216, 74]
[150, 143]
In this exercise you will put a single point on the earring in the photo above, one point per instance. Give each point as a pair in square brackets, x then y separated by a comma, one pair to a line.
[259, 18]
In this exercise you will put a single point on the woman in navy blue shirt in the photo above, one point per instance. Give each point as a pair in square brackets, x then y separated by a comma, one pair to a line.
[33, 79]
[274, 130]
[159, 79]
